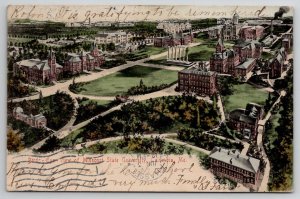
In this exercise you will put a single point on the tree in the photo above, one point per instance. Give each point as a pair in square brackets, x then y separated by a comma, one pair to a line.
[111, 47]
[51, 144]
[14, 141]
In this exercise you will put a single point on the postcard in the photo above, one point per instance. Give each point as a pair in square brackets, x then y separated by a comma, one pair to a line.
[150, 98]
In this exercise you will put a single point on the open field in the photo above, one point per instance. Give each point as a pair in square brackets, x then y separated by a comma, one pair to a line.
[243, 94]
[144, 53]
[118, 83]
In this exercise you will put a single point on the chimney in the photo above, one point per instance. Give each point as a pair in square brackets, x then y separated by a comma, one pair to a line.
[228, 152]
[230, 161]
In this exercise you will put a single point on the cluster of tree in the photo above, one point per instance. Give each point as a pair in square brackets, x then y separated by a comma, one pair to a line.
[22, 135]
[50, 145]
[206, 141]
[158, 115]
[76, 87]
[51, 107]
[17, 89]
[258, 80]
[14, 141]
[137, 144]
[135, 56]
[113, 63]
[203, 23]
[143, 89]
[91, 109]
[225, 85]
[282, 163]
[270, 100]
[226, 132]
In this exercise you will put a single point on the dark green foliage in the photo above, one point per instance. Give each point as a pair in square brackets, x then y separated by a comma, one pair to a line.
[206, 141]
[113, 63]
[57, 108]
[91, 109]
[17, 89]
[51, 144]
[30, 135]
[225, 85]
[143, 89]
[281, 174]
[160, 115]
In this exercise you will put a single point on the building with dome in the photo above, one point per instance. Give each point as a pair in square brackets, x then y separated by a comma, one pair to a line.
[246, 120]
[36, 121]
[233, 30]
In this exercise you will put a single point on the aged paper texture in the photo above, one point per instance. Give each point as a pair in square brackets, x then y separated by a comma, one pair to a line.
[150, 98]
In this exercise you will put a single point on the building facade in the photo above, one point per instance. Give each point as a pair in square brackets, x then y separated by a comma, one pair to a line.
[83, 61]
[36, 121]
[173, 40]
[113, 37]
[197, 80]
[37, 71]
[238, 61]
[173, 27]
[233, 165]
[246, 120]
[276, 64]
[251, 32]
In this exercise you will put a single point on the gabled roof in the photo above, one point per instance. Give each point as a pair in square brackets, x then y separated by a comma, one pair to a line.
[235, 158]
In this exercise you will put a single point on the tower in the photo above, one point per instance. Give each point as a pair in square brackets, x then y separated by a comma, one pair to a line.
[52, 64]
[235, 19]
[219, 45]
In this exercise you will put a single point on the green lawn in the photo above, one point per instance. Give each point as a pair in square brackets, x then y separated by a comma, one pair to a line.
[150, 50]
[243, 94]
[120, 82]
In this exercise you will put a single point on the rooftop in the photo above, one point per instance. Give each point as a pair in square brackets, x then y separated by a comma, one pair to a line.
[235, 158]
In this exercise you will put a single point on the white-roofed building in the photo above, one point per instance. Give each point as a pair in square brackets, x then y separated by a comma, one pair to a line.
[231, 164]
[37, 71]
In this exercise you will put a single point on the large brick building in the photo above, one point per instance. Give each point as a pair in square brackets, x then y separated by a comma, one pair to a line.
[246, 120]
[37, 71]
[251, 32]
[83, 61]
[233, 165]
[173, 40]
[197, 80]
[238, 61]
[37, 121]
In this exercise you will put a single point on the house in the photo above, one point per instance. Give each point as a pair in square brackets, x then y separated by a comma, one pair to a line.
[84, 61]
[246, 120]
[36, 121]
[231, 164]
[197, 80]
[244, 68]
[37, 71]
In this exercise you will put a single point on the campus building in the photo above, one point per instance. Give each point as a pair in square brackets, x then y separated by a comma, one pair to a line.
[232, 29]
[113, 37]
[246, 120]
[197, 80]
[231, 164]
[37, 71]
[277, 64]
[36, 121]
[84, 61]
[238, 61]
[173, 27]
[173, 40]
